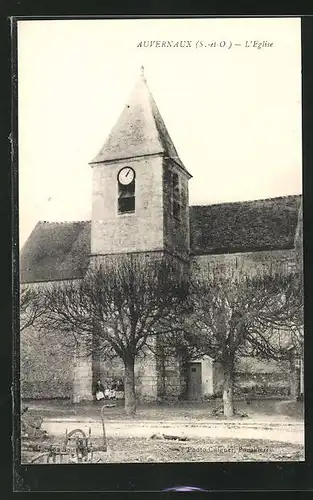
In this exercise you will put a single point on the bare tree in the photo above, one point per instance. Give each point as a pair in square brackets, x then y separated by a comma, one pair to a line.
[235, 314]
[32, 306]
[299, 327]
[123, 304]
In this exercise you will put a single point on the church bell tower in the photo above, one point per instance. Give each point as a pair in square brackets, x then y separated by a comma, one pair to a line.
[140, 185]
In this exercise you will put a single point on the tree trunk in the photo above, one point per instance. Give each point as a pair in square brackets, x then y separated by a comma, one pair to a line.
[130, 396]
[294, 378]
[301, 377]
[228, 403]
[160, 366]
[184, 371]
[96, 374]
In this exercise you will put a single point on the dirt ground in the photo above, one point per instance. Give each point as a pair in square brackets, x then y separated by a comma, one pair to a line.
[272, 431]
[245, 429]
[199, 450]
[278, 410]
[142, 450]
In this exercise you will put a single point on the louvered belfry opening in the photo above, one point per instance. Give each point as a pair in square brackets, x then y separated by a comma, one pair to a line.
[176, 197]
[126, 198]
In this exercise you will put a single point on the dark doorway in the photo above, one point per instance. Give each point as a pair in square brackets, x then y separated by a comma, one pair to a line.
[194, 381]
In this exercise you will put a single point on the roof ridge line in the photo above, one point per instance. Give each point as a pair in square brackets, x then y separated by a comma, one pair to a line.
[62, 222]
[246, 201]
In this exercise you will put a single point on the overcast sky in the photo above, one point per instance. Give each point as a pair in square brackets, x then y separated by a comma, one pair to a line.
[234, 114]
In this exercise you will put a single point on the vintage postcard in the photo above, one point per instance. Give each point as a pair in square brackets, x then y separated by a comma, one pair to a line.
[160, 240]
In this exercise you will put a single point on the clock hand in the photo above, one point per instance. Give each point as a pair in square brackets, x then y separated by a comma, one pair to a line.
[127, 173]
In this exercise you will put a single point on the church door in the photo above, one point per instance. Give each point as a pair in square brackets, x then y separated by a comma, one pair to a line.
[194, 381]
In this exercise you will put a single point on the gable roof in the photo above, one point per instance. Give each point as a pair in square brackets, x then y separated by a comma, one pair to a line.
[140, 130]
[61, 250]
[267, 224]
[55, 251]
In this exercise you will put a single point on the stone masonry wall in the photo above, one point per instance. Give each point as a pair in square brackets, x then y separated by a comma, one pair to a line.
[82, 375]
[50, 366]
[245, 262]
[253, 376]
[46, 367]
[141, 231]
[145, 374]
[171, 375]
[256, 377]
[176, 233]
[146, 378]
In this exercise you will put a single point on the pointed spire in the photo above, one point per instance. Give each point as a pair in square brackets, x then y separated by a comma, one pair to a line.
[140, 129]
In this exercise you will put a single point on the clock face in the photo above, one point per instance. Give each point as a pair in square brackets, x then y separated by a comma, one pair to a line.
[126, 175]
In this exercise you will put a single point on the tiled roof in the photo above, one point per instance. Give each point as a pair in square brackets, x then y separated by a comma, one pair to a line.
[266, 224]
[55, 251]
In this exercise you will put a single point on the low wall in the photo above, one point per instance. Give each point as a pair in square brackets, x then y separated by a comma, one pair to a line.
[173, 382]
[262, 384]
[46, 369]
[262, 378]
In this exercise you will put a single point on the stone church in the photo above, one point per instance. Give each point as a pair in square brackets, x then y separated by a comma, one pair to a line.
[140, 205]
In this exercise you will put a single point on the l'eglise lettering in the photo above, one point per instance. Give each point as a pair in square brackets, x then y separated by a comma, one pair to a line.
[258, 44]
[165, 43]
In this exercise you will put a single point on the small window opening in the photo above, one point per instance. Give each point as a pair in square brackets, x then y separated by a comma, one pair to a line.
[176, 197]
[126, 198]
